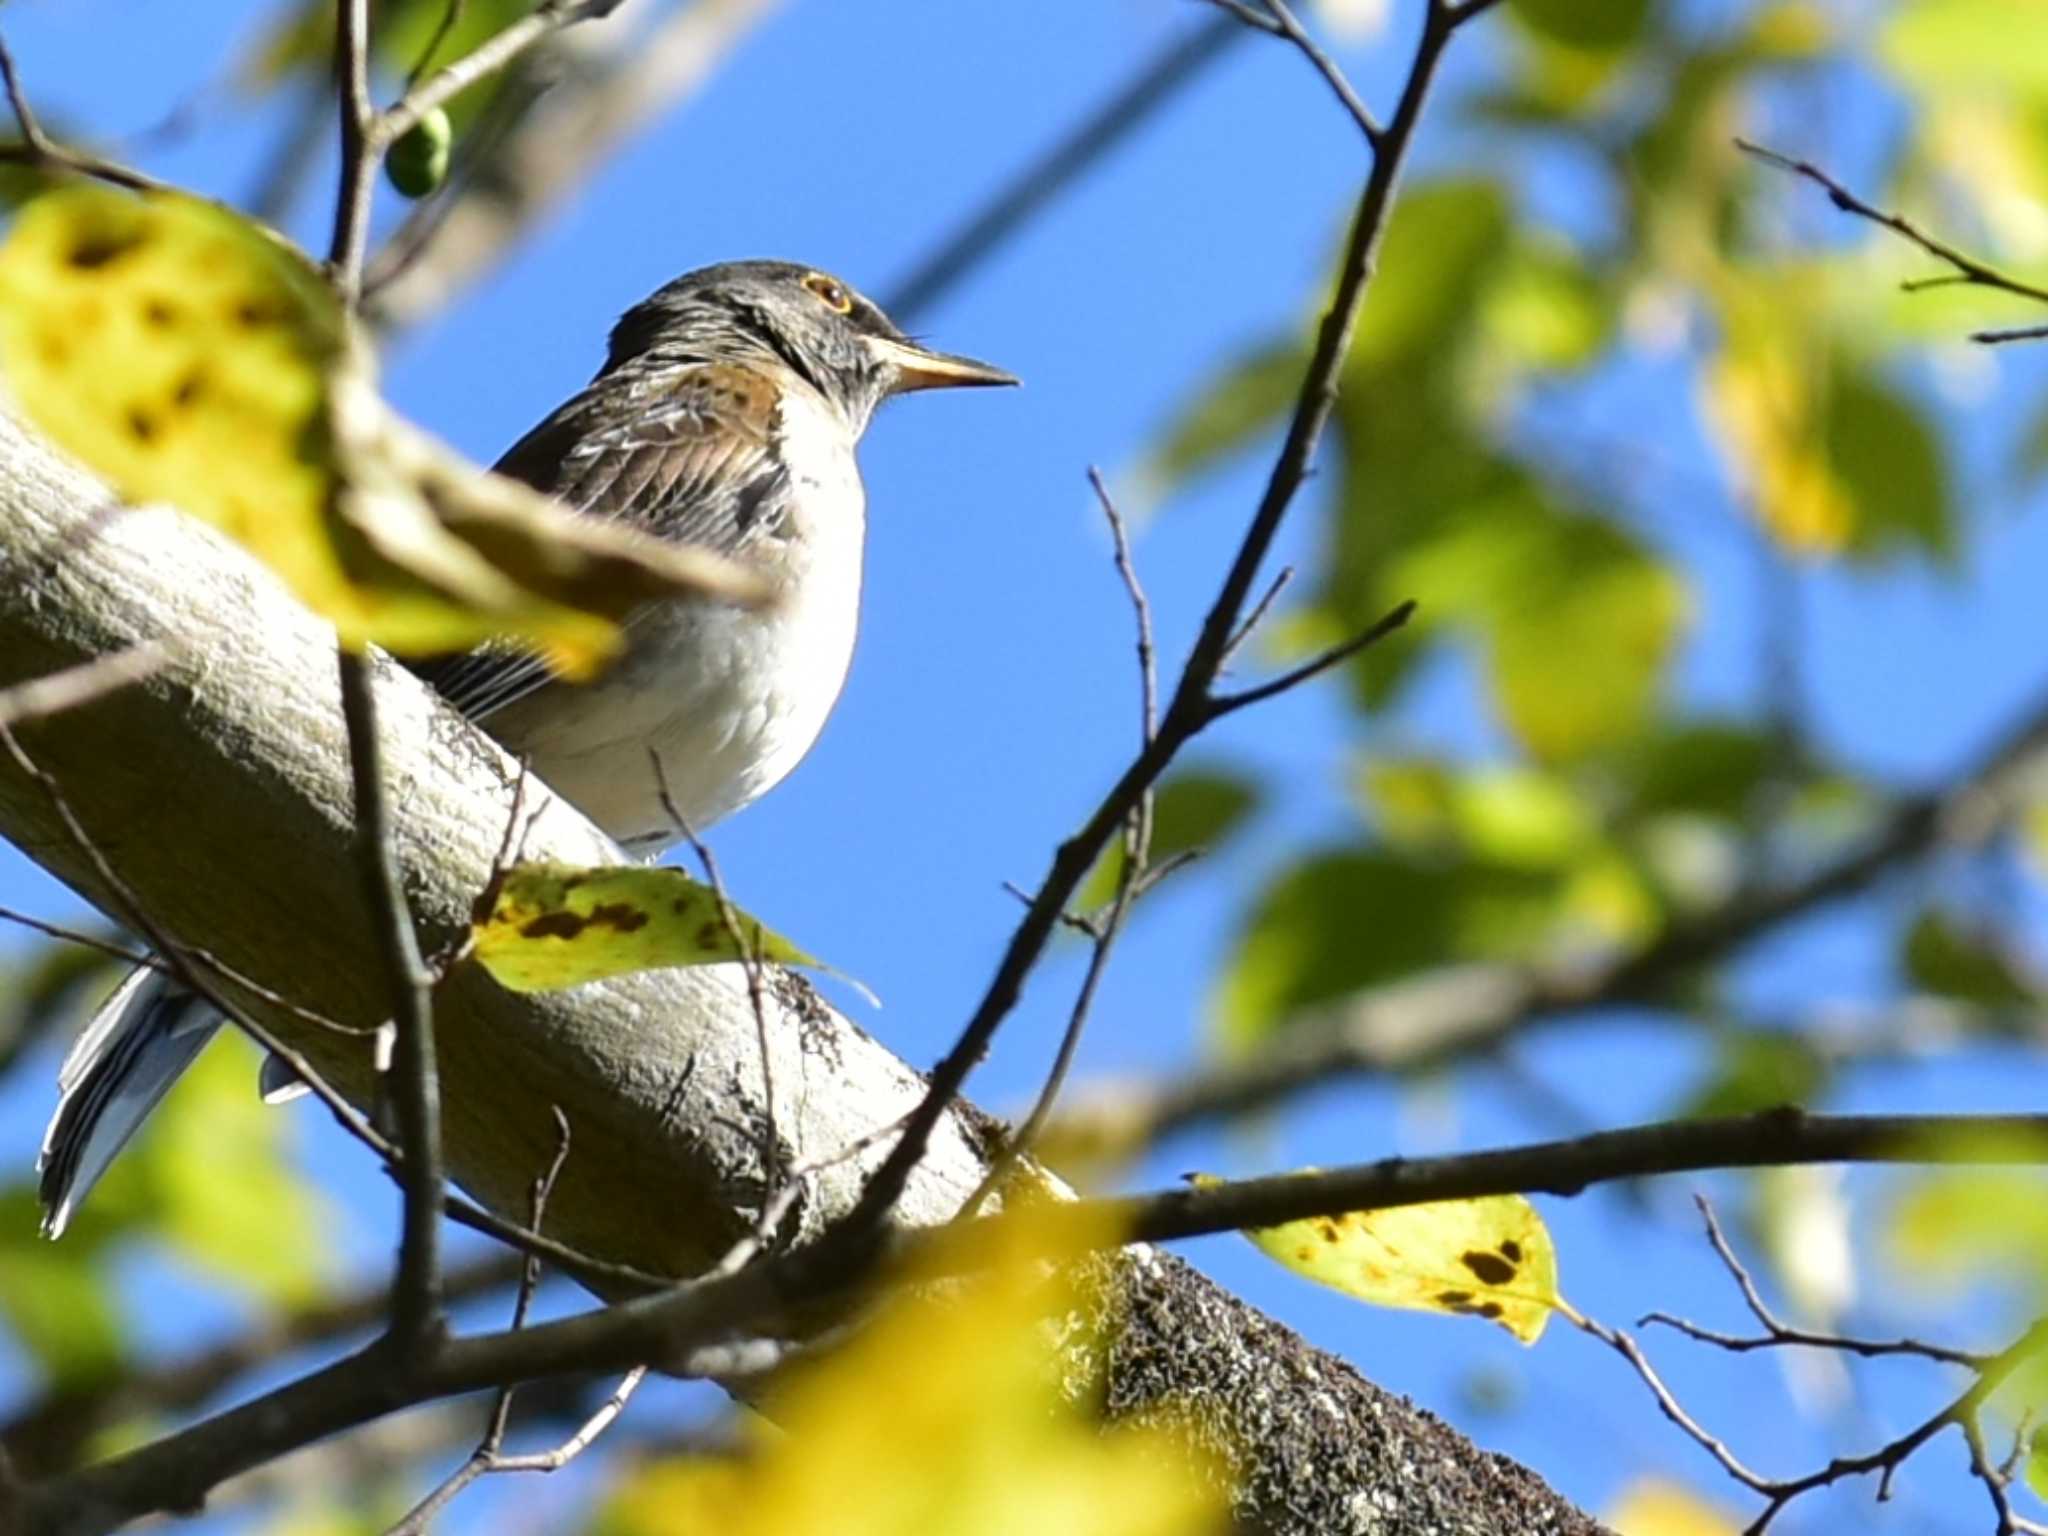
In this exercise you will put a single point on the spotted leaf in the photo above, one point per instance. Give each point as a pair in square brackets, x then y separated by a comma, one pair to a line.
[550, 926]
[1491, 1258]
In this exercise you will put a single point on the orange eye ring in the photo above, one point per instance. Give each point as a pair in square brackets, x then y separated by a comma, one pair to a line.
[831, 291]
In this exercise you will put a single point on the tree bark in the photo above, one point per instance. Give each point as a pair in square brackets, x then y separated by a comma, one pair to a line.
[219, 792]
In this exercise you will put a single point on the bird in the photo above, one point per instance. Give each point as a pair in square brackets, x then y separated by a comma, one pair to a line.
[725, 415]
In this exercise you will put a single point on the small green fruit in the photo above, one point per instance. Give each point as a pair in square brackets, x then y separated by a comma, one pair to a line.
[418, 162]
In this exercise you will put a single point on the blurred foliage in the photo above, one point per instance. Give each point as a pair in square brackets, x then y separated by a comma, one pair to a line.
[1740, 310]
[1655, 1507]
[949, 1414]
[298, 49]
[209, 1179]
[1196, 810]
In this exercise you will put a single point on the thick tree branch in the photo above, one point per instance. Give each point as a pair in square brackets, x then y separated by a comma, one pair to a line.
[659, 1074]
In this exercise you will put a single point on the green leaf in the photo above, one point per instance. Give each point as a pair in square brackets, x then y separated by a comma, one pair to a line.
[1890, 461]
[1330, 925]
[1232, 411]
[1546, 310]
[1757, 1069]
[1442, 241]
[1578, 620]
[553, 926]
[1704, 767]
[1523, 818]
[55, 1296]
[1196, 808]
[261, 1229]
[1600, 26]
[1966, 45]
[1941, 955]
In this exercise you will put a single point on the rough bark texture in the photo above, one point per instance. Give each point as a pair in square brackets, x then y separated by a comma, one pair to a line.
[219, 790]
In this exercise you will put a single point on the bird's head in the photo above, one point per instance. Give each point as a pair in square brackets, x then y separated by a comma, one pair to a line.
[816, 325]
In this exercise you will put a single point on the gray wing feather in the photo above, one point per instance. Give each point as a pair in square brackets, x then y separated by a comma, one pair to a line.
[124, 1061]
[685, 452]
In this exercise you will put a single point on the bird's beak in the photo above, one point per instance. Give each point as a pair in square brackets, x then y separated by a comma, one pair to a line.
[918, 368]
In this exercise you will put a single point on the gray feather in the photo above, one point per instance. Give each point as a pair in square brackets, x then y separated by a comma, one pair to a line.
[125, 1060]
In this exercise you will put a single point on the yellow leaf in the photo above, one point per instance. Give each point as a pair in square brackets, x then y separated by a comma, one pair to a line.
[189, 355]
[1764, 395]
[1653, 1507]
[1491, 1258]
[558, 925]
[944, 1416]
[1953, 1227]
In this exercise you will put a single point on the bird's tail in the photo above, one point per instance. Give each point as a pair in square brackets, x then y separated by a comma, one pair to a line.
[137, 1045]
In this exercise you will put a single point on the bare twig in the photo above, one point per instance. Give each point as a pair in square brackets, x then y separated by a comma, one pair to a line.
[1780, 1335]
[38, 149]
[1258, 614]
[1459, 1011]
[176, 1471]
[190, 966]
[1193, 705]
[1962, 1413]
[1315, 666]
[489, 1456]
[749, 951]
[416, 1322]
[79, 685]
[451, 14]
[1966, 269]
[50, 1432]
[539, 139]
[83, 940]
[1277, 19]
[2012, 333]
[485, 60]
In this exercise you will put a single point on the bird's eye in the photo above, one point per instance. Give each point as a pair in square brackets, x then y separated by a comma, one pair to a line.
[831, 291]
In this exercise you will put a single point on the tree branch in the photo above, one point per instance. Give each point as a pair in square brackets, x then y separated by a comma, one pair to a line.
[1192, 705]
[658, 1073]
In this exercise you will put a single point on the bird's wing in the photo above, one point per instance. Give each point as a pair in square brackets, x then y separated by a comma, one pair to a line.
[683, 451]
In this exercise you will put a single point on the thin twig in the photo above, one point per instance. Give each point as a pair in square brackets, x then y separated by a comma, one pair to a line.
[1280, 21]
[2012, 333]
[416, 1322]
[1131, 879]
[749, 951]
[1315, 666]
[1193, 705]
[113, 951]
[176, 1471]
[75, 686]
[175, 956]
[358, 175]
[1780, 1335]
[1258, 614]
[38, 149]
[489, 1455]
[451, 13]
[1967, 269]
[483, 61]
[1463, 1010]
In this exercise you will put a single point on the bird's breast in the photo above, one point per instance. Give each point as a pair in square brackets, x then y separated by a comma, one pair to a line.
[730, 700]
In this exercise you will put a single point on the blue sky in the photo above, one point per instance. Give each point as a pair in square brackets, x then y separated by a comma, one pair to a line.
[993, 696]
